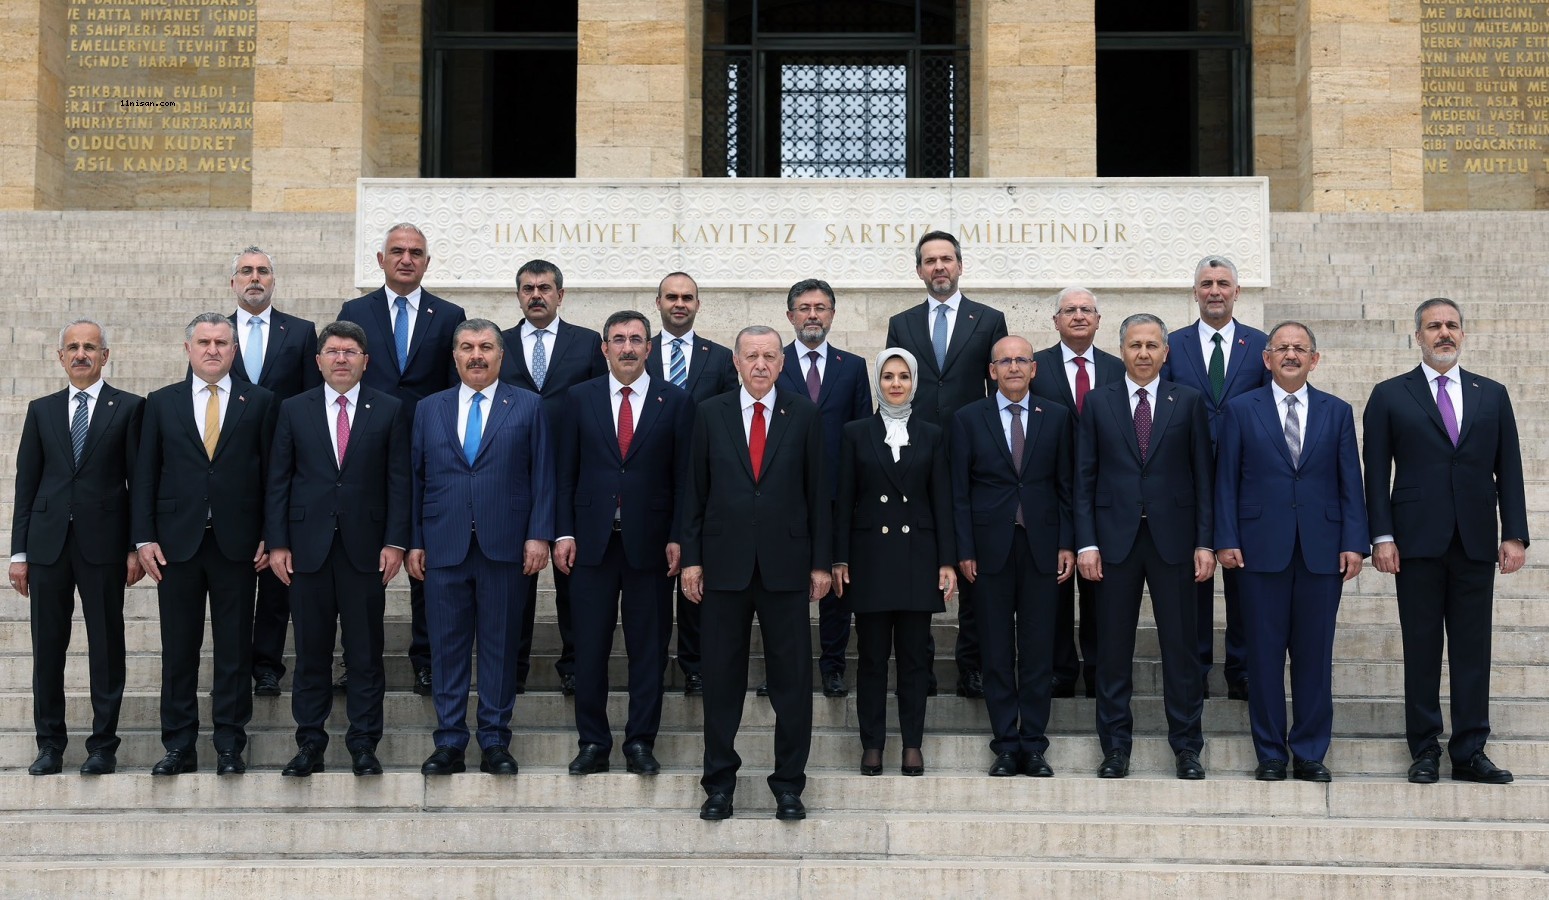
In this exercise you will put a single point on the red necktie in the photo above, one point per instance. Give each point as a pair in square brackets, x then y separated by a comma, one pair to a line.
[756, 439]
[626, 423]
[1083, 383]
[342, 425]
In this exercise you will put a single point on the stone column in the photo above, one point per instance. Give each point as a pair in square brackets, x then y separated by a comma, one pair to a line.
[1034, 89]
[638, 92]
[32, 104]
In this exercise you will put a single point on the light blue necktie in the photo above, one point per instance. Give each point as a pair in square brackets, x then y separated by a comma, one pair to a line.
[401, 332]
[679, 368]
[78, 427]
[939, 337]
[474, 431]
[253, 353]
[540, 358]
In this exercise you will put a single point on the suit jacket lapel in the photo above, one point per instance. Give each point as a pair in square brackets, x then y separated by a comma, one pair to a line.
[997, 432]
[1239, 360]
[650, 405]
[778, 426]
[1163, 399]
[422, 324]
[107, 408]
[1034, 417]
[1315, 423]
[877, 431]
[1420, 389]
[603, 412]
[278, 335]
[58, 425]
[697, 365]
[1473, 397]
[1269, 419]
[499, 405]
[364, 418]
[968, 313]
[1118, 407]
[236, 407]
[732, 420]
[919, 323]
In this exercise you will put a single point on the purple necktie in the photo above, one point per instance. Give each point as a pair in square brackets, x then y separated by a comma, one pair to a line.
[1143, 423]
[1449, 416]
[814, 384]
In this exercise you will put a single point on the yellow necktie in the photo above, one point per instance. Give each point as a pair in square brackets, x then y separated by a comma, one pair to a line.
[212, 420]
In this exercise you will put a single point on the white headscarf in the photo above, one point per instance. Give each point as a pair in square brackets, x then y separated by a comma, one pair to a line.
[895, 419]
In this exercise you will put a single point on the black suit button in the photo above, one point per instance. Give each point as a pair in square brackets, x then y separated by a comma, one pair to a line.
[622, 470]
[338, 484]
[210, 470]
[758, 493]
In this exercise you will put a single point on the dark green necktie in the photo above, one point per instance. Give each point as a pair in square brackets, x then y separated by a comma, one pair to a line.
[1217, 368]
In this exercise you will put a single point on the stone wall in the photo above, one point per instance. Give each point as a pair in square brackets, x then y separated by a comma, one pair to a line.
[637, 94]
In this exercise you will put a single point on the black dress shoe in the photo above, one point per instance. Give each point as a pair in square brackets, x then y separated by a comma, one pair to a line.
[693, 685]
[567, 684]
[788, 807]
[833, 685]
[1238, 690]
[970, 684]
[1189, 766]
[763, 688]
[50, 760]
[177, 762]
[1032, 763]
[638, 759]
[342, 684]
[445, 761]
[422, 685]
[1311, 770]
[914, 768]
[1062, 689]
[100, 762]
[1426, 768]
[266, 685]
[592, 758]
[307, 760]
[364, 762]
[1005, 765]
[497, 760]
[716, 807]
[1271, 770]
[229, 762]
[1479, 769]
[871, 762]
[1115, 765]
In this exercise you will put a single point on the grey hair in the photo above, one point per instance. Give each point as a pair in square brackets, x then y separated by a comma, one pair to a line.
[208, 318]
[404, 226]
[1059, 299]
[1434, 301]
[1141, 319]
[1311, 338]
[752, 331]
[1216, 262]
[71, 324]
[476, 325]
[244, 252]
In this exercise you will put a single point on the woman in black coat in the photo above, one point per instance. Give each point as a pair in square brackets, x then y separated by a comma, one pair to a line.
[894, 543]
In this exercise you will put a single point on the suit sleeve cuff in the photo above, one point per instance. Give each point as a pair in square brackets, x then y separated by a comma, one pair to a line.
[1382, 539]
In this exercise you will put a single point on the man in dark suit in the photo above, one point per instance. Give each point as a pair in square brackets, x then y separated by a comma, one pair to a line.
[704, 369]
[548, 357]
[622, 460]
[76, 454]
[756, 539]
[837, 382]
[482, 519]
[1011, 487]
[337, 523]
[1448, 438]
[1144, 472]
[277, 352]
[1289, 512]
[412, 331]
[1221, 358]
[198, 504]
[952, 337]
[1065, 373]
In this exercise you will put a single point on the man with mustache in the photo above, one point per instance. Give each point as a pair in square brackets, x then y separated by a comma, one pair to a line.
[622, 461]
[1448, 439]
[548, 357]
[69, 532]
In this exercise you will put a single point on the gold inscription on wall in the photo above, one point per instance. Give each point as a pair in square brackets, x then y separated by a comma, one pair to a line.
[1484, 71]
[158, 102]
[804, 234]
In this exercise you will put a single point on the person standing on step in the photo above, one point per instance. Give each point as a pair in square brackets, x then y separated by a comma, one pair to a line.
[412, 331]
[622, 462]
[837, 382]
[76, 455]
[1221, 358]
[337, 525]
[548, 356]
[198, 517]
[1290, 514]
[704, 369]
[952, 337]
[1448, 439]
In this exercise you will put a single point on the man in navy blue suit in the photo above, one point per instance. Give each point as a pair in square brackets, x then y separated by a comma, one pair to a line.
[837, 382]
[548, 357]
[1221, 358]
[482, 518]
[622, 460]
[1291, 516]
[704, 369]
[412, 329]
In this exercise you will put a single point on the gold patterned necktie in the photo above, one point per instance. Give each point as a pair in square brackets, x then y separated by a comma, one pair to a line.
[212, 420]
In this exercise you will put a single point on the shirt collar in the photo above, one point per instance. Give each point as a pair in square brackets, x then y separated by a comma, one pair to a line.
[746, 400]
[93, 390]
[801, 350]
[1227, 332]
[1132, 386]
[528, 328]
[639, 388]
[688, 339]
[1431, 374]
[243, 316]
[1002, 401]
[931, 302]
[1280, 395]
[224, 384]
[332, 396]
[1067, 354]
[465, 393]
[413, 297]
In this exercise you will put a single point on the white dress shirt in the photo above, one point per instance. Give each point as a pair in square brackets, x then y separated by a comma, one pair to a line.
[1301, 407]
[244, 330]
[805, 361]
[1208, 346]
[414, 310]
[92, 393]
[201, 398]
[1069, 356]
[331, 413]
[746, 400]
[1132, 386]
[951, 303]
[636, 398]
[665, 339]
[1003, 403]
[465, 402]
[530, 338]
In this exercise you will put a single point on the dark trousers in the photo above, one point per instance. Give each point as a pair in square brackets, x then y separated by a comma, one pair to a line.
[481, 599]
[688, 632]
[1076, 653]
[833, 633]
[967, 650]
[1448, 597]
[1290, 612]
[595, 608]
[270, 618]
[181, 600]
[565, 665]
[1235, 668]
[52, 588]
[338, 596]
[419, 632]
[783, 620]
[905, 634]
[1118, 612]
[1015, 613]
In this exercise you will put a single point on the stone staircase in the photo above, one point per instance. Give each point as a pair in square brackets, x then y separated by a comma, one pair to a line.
[1355, 279]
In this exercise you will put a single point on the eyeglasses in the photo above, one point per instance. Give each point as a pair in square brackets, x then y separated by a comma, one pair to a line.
[341, 354]
[1298, 349]
[633, 340]
[813, 310]
[249, 270]
[1078, 311]
[1013, 360]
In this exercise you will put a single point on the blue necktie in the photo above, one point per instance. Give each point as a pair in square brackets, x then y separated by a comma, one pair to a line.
[474, 431]
[253, 351]
[78, 427]
[678, 373]
[939, 337]
[401, 332]
[540, 358]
